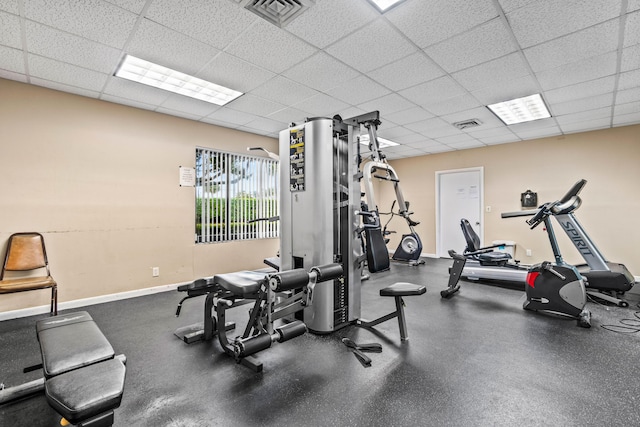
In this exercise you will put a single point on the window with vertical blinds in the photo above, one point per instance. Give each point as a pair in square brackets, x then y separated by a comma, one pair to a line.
[232, 192]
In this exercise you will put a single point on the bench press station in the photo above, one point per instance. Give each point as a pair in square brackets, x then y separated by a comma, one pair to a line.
[83, 378]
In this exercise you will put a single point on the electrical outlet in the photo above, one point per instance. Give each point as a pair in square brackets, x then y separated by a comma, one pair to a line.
[528, 252]
[155, 271]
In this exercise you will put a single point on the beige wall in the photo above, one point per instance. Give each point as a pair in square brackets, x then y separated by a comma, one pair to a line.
[607, 159]
[100, 181]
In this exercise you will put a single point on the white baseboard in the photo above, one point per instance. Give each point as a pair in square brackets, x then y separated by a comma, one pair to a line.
[43, 309]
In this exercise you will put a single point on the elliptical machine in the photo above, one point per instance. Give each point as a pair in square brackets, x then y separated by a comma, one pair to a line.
[555, 288]
[410, 247]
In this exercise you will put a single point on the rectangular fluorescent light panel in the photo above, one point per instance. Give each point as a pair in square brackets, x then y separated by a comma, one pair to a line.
[382, 143]
[141, 71]
[384, 5]
[521, 110]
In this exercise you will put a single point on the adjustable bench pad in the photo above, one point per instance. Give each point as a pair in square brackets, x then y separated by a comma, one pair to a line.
[241, 283]
[70, 342]
[84, 393]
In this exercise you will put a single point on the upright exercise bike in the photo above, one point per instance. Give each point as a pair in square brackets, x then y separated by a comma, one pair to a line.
[550, 287]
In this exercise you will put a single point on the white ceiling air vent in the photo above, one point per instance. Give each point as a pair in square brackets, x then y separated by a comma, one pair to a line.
[466, 124]
[278, 12]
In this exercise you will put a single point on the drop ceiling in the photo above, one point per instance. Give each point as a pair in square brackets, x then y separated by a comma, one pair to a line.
[425, 64]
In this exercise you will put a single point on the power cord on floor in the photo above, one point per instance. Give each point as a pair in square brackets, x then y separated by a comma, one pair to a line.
[628, 326]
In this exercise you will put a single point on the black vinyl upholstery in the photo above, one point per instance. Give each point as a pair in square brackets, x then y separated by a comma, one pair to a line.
[241, 283]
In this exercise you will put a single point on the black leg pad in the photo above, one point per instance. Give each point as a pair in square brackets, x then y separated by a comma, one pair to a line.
[86, 393]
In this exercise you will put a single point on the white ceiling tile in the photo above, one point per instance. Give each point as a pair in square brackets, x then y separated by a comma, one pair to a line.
[584, 104]
[358, 90]
[439, 149]
[64, 88]
[433, 128]
[329, 20]
[626, 119]
[189, 105]
[10, 30]
[584, 116]
[229, 115]
[533, 125]
[580, 71]
[371, 47]
[216, 23]
[289, 115]
[255, 105]
[633, 5]
[492, 73]
[138, 92]
[544, 20]
[630, 58]
[484, 43]
[265, 45]
[234, 73]
[355, 111]
[11, 6]
[433, 91]
[283, 90]
[10, 75]
[574, 47]
[388, 104]
[416, 140]
[161, 45]
[220, 123]
[480, 133]
[505, 139]
[629, 80]
[580, 90]
[456, 139]
[509, 5]
[134, 6]
[427, 22]
[586, 126]
[65, 47]
[66, 74]
[466, 144]
[394, 132]
[510, 89]
[94, 19]
[627, 108]
[128, 102]
[321, 105]
[321, 71]
[628, 95]
[452, 105]
[178, 113]
[410, 115]
[11, 59]
[538, 133]
[406, 72]
[267, 125]
[632, 29]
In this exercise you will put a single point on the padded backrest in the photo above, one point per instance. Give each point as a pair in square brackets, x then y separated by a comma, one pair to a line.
[473, 240]
[25, 251]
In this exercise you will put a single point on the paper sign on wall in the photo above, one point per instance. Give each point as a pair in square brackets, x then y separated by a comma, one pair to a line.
[187, 177]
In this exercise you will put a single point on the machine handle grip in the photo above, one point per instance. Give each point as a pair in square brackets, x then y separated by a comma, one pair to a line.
[529, 212]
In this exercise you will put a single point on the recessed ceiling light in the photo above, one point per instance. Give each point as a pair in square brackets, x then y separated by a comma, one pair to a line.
[384, 5]
[141, 71]
[521, 110]
[382, 143]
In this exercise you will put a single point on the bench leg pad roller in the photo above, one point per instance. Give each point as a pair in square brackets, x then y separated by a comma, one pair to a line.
[91, 392]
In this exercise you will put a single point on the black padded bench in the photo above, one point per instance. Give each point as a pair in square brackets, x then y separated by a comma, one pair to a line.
[397, 290]
[84, 379]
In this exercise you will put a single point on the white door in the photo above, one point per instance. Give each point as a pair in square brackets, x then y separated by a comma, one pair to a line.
[459, 194]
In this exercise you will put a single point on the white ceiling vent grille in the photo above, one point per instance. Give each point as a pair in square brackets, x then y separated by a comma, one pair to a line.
[466, 124]
[278, 12]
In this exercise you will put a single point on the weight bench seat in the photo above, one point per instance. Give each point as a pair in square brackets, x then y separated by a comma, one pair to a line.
[70, 342]
[85, 393]
[402, 289]
[245, 284]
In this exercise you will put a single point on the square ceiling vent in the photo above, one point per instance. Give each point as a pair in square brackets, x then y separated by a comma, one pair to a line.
[278, 12]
